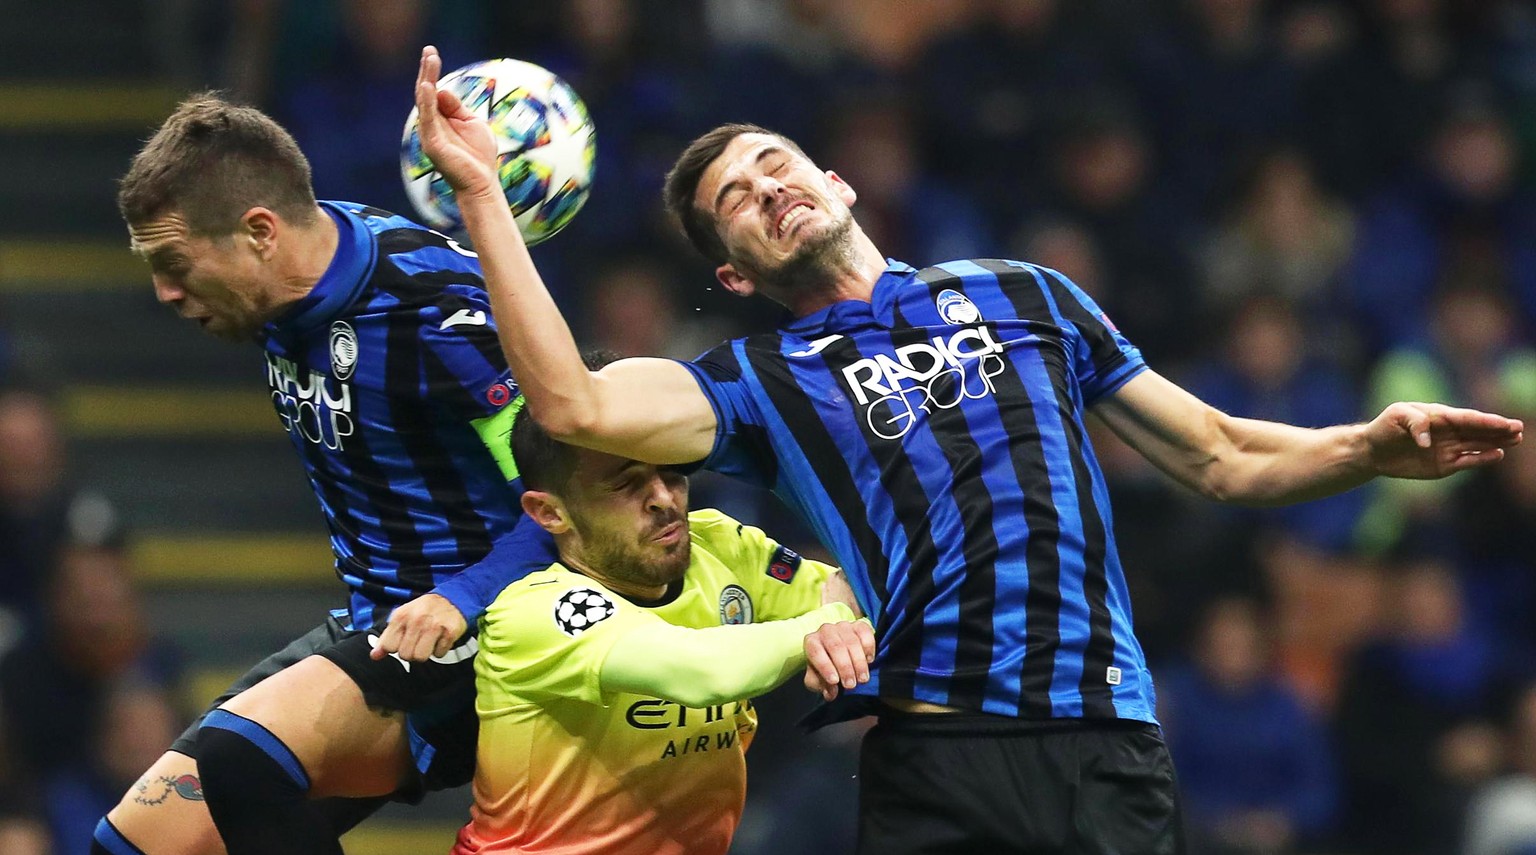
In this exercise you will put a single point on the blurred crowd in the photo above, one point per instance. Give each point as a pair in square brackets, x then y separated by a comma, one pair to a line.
[1299, 209]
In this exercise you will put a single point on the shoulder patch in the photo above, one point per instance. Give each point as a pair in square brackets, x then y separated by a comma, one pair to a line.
[784, 564]
[735, 606]
[580, 609]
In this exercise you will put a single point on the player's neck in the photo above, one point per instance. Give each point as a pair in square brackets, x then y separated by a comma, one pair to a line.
[313, 246]
[854, 279]
[630, 590]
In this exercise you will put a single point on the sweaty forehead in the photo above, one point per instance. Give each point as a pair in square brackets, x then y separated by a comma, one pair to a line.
[161, 232]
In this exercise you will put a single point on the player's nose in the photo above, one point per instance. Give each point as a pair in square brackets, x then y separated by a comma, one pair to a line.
[166, 290]
[769, 189]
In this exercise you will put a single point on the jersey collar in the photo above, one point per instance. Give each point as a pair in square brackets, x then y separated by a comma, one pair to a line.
[854, 313]
[343, 280]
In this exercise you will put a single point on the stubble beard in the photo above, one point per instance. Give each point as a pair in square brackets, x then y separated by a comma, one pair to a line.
[627, 561]
[816, 262]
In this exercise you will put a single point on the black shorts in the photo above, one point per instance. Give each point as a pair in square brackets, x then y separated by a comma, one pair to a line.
[438, 698]
[969, 783]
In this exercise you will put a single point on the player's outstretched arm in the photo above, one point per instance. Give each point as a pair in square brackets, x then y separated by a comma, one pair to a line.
[1266, 463]
[703, 667]
[647, 409]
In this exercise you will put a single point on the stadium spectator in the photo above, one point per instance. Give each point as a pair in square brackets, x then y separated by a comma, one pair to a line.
[59, 678]
[1103, 176]
[1465, 215]
[1284, 237]
[41, 508]
[1411, 720]
[1502, 817]
[1254, 763]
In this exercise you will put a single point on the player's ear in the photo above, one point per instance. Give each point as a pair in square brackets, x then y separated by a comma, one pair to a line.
[842, 188]
[546, 510]
[258, 228]
[733, 281]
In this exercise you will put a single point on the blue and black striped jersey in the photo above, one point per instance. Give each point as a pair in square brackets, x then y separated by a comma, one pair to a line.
[934, 439]
[379, 375]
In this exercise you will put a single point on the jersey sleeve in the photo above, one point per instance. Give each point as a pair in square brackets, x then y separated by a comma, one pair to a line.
[547, 637]
[463, 367]
[741, 447]
[713, 665]
[781, 582]
[526, 549]
[1102, 358]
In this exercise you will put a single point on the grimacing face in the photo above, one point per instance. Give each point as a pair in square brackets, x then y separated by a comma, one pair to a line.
[781, 219]
[215, 281]
[631, 518]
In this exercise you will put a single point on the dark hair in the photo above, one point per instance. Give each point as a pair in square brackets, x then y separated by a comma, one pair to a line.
[546, 463]
[683, 182]
[212, 161]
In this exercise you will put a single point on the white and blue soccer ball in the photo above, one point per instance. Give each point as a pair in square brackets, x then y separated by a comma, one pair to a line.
[545, 145]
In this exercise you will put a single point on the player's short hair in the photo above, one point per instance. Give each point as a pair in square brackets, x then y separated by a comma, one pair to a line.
[212, 161]
[545, 463]
[682, 183]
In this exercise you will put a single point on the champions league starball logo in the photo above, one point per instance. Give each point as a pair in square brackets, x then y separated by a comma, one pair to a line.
[956, 308]
[580, 609]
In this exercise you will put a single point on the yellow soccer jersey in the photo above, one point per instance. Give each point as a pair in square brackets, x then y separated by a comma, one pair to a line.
[567, 766]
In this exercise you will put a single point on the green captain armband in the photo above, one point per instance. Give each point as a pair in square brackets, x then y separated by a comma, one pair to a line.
[496, 432]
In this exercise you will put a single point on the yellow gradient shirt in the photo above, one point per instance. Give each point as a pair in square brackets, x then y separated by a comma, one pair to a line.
[568, 763]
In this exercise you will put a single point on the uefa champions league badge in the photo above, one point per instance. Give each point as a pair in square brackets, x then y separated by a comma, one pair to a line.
[956, 308]
[735, 606]
[343, 350]
[582, 608]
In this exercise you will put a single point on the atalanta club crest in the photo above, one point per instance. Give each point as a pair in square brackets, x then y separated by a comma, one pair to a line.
[343, 350]
[735, 606]
[580, 609]
[956, 308]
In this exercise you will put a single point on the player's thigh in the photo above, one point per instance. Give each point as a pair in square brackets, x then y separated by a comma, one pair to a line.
[346, 747]
[163, 813]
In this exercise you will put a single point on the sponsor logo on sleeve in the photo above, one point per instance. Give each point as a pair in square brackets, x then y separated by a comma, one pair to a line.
[785, 563]
[580, 609]
[735, 606]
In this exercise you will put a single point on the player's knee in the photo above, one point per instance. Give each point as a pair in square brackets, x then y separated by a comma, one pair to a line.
[238, 758]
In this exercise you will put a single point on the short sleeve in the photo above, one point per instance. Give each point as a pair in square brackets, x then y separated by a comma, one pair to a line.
[741, 447]
[463, 366]
[546, 637]
[1103, 359]
[781, 582]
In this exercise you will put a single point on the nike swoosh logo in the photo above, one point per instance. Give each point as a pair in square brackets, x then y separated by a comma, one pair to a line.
[464, 317]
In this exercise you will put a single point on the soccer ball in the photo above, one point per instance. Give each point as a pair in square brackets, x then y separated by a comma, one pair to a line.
[545, 146]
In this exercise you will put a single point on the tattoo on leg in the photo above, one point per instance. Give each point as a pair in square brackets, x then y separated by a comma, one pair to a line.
[156, 791]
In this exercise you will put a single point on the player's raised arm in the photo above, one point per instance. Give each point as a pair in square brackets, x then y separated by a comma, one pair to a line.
[1265, 463]
[647, 409]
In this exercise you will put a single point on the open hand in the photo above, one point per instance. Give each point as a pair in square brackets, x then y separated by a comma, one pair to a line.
[837, 656]
[458, 142]
[420, 629]
[1424, 441]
